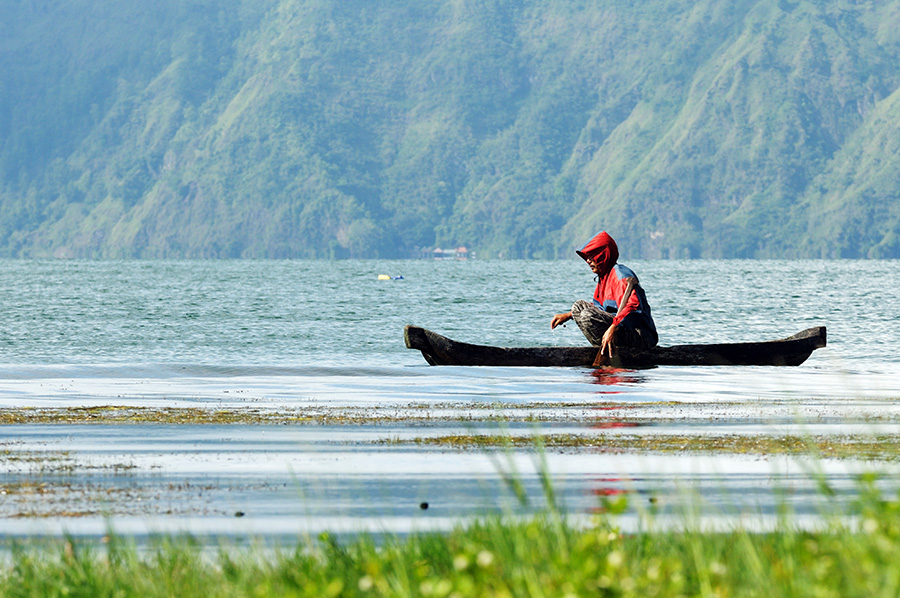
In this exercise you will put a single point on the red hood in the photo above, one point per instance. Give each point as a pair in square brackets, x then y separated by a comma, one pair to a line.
[602, 250]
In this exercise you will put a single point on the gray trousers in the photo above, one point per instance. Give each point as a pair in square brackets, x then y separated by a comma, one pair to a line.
[593, 322]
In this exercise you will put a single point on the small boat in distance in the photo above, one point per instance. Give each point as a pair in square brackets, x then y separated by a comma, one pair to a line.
[793, 350]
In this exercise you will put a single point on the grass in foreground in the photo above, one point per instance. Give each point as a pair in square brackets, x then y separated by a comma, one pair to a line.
[543, 556]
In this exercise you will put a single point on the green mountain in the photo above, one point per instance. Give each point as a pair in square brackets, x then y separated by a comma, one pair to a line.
[352, 128]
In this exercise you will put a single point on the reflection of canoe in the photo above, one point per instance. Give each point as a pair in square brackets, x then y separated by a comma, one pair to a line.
[440, 350]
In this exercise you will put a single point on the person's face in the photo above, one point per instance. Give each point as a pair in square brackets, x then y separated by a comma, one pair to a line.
[595, 267]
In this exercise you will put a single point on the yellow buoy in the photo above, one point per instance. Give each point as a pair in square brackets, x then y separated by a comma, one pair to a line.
[384, 277]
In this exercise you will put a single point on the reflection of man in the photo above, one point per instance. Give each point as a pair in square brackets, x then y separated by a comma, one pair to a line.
[619, 314]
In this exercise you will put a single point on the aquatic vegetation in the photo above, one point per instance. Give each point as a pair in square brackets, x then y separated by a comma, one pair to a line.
[119, 414]
[409, 413]
[874, 447]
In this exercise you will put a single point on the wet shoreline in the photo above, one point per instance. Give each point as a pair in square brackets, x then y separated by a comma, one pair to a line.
[276, 473]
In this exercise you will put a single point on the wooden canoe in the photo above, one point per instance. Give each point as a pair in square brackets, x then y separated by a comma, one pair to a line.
[440, 350]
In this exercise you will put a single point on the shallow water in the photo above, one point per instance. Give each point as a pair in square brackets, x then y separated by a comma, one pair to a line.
[322, 342]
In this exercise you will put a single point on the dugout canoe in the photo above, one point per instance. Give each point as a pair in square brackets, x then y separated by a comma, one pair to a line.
[793, 350]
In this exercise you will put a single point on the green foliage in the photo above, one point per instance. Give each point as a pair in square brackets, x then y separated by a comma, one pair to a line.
[317, 128]
[541, 556]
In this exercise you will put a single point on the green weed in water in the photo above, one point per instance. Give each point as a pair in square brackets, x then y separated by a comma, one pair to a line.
[883, 447]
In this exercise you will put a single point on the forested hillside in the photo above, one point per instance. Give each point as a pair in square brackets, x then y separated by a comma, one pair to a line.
[357, 128]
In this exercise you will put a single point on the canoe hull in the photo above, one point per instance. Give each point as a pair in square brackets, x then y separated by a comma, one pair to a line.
[791, 351]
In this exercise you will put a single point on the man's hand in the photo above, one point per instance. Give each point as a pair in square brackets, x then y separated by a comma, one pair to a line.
[560, 319]
[608, 343]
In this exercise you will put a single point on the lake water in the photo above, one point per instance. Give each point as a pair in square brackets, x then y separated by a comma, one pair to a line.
[276, 398]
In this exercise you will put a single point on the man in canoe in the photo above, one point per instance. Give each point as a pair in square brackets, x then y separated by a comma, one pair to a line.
[619, 314]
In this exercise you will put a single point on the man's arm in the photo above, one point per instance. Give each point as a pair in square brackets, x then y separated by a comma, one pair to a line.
[560, 319]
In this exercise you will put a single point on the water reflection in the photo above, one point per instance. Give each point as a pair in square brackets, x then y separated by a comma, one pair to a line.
[610, 376]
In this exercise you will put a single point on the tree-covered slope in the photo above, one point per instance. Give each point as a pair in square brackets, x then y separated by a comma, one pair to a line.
[318, 128]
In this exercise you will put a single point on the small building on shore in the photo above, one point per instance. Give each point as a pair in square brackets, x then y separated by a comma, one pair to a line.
[459, 253]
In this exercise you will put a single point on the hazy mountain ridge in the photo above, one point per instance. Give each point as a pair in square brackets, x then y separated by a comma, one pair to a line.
[320, 128]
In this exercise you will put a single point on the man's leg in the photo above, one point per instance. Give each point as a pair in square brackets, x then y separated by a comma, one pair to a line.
[592, 320]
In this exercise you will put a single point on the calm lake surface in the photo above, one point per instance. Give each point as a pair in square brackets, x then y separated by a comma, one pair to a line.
[276, 398]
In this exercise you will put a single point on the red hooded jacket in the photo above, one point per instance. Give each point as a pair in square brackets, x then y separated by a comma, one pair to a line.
[602, 250]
